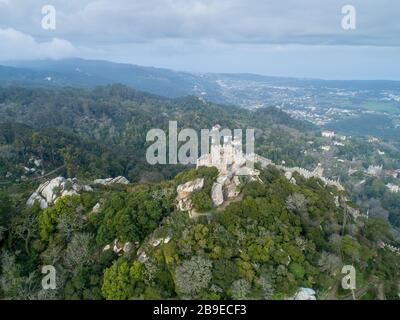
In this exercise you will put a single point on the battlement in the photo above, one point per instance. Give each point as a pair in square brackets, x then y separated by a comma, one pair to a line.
[228, 158]
[317, 173]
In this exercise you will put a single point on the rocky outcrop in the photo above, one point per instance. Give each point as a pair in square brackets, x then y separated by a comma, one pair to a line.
[184, 191]
[127, 247]
[96, 208]
[305, 294]
[231, 191]
[217, 194]
[142, 257]
[49, 192]
[353, 211]
[35, 197]
[118, 247]
[289, 176]
[225, 188]
[112, 181]
[160, 241]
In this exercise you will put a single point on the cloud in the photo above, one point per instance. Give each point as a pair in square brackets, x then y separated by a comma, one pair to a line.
[236, 21]
[288, 37]
[312, 22]
[292, 60]
[16, 45]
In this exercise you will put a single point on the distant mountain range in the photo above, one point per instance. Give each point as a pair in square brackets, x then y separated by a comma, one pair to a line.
[333, 104]
[221, 88]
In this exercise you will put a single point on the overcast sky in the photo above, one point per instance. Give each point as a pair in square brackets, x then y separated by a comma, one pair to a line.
[302, 38]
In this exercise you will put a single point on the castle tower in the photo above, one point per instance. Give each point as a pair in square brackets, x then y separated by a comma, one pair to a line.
[215, 145]
[319, 170]
[237, 149]
[228, 156]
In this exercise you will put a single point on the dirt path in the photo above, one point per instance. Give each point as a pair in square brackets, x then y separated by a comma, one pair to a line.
[332, 293]
[48, 174]
[37, 178]
[381, 292]
[357, 293]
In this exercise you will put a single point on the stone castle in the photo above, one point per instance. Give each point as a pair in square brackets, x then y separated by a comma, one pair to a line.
[232, 164]
[230, 161]
[289, 172]
[228, 158]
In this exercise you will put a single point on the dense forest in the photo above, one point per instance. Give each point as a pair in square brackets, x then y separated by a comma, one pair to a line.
[73, 126]
[276, 238]
[102, 133]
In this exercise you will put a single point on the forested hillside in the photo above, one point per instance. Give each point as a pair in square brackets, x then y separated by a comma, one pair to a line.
[70, 126]
[131, 242]
[278, 238]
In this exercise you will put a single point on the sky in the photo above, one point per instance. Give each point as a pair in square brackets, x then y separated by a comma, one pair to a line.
[297, 38]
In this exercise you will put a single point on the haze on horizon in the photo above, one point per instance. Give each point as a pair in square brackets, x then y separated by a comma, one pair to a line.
[279, 38]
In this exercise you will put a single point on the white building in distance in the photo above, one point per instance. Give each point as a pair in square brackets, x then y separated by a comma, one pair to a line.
[393, 187]
[381, 153]
[375, 170]
[328, 134]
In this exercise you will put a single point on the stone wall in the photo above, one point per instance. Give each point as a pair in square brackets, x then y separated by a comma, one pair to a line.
[303, 172]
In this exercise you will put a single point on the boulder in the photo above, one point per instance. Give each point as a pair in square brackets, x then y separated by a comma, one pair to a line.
[184, 191]
[156, 242]
[127, 247]
[217, 194]
[290, 177]
[142, 257]
[167, 240]
[184, 204]
[231, 191]
[68, 193]
[236, 181]
[116, 246]
[96, 208]
[305, 294]
[249, 172]
[111, 181]
[223, 180]
[37, 162]
[35, 197]
[49, 192]
[50, 189]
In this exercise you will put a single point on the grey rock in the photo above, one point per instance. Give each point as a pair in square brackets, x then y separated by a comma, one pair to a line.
[50, 191]
[217, 194]
[184, 191]
[111, 181]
